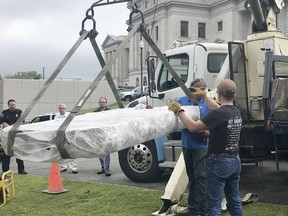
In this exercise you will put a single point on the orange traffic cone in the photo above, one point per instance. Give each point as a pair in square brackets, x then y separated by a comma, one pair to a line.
[55, 182]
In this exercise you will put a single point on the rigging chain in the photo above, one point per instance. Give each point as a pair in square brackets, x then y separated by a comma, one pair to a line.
[90, 15]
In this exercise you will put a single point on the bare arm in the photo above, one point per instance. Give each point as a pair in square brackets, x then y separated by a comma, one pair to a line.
[4, 124]
[191, 125]
[212, 104]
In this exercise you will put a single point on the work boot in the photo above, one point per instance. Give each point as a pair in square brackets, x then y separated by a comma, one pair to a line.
[74, 171]
[63, 170]
[23, 172]
[107, 172]
[101, 171]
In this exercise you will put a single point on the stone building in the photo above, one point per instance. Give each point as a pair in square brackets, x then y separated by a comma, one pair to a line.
[217, 21]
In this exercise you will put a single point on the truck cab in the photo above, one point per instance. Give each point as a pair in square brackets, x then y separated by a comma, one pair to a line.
[257, 65]
[144, 162]
[199, 60]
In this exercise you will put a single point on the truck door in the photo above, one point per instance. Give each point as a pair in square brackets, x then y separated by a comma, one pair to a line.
[237, 67]
[207, 63]
[180, 65]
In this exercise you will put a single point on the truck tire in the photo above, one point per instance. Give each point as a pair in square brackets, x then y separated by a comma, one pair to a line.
[140, 162]
[128, 98]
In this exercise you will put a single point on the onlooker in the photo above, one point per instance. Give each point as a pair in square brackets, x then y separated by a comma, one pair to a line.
[9, 117]
[105, 161]
[72, 163]
[194, 148]
[223, 162]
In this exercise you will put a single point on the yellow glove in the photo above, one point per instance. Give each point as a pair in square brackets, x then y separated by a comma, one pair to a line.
[175, 107]
[197, 92]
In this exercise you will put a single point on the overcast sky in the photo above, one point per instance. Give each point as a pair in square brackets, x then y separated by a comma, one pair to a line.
[36, 33]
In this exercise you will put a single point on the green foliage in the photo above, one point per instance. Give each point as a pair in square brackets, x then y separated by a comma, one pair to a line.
[24, 75]
[90, 198]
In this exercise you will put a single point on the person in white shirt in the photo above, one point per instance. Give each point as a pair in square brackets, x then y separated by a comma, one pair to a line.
[72, 163]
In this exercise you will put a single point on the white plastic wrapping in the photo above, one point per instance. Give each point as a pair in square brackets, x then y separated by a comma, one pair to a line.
[95, 134]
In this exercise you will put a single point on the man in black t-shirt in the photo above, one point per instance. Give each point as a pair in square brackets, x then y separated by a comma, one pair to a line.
[7, 118]
[223, 162]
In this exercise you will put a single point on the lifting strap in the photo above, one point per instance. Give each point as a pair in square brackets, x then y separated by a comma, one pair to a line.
[60, 140]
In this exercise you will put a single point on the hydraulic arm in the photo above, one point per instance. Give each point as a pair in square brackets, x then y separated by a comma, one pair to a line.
[264, 13]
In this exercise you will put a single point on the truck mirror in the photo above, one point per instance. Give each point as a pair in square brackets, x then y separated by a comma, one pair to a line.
[153, 87]
[161, 96]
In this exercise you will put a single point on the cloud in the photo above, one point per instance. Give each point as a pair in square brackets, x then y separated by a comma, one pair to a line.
[34, 33]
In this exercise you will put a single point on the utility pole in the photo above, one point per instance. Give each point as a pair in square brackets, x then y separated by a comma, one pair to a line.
[43, 72]
[141, 46]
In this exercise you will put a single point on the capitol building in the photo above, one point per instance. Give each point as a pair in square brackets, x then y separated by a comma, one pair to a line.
[217, 21]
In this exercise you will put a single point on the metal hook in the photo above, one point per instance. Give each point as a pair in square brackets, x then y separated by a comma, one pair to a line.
[134, 10]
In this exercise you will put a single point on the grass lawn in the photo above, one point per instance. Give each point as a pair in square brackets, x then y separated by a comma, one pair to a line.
[90, 198]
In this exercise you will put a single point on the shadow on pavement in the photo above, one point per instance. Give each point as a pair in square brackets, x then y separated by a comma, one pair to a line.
[266, 181]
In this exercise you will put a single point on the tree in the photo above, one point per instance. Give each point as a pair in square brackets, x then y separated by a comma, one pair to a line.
[24, 75]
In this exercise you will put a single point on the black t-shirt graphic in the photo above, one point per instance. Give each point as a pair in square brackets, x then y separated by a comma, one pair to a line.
[225, 127]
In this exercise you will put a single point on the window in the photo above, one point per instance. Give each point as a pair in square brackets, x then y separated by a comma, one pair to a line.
[146, 4]
[42, 118]
[180, 63]
[215, 62]
[220, 26]
[156, 33]
[145, 83]
[201, 30]
[184, 29]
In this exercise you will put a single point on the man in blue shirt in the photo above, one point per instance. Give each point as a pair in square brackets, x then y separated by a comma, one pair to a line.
[194, 148]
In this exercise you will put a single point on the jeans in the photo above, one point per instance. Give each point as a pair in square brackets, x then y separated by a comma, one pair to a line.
[105, 162]
[195, 167]
[223, 175]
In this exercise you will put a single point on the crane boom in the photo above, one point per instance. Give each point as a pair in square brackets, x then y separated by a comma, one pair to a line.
[264, 13]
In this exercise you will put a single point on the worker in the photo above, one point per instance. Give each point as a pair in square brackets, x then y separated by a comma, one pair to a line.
[223, 161]
[7, 118]
[105, 161]
[194, 148]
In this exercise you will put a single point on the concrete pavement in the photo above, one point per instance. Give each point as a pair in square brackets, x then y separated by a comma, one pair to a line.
[264, 179]
[271, 185]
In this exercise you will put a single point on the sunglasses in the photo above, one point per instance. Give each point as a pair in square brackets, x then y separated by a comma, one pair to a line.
[196, 81]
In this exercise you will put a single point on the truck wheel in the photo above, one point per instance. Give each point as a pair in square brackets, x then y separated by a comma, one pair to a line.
[128, 98]
[140, 163]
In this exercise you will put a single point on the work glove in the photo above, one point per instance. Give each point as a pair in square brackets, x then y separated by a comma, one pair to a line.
[175, 107]
[197, 92]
